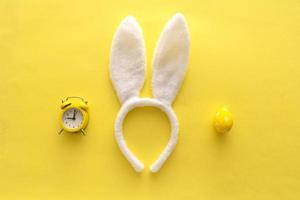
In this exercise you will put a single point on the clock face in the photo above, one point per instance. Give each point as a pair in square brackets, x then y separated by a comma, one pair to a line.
[72, 118]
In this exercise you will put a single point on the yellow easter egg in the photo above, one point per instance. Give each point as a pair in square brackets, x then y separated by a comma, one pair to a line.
[223, 120]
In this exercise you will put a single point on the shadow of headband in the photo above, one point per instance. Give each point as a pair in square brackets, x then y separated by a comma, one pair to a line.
[127, 73]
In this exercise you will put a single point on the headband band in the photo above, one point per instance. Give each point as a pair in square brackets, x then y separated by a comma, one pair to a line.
[142, 102]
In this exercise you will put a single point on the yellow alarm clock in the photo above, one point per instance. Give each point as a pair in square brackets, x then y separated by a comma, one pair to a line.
[74, 115]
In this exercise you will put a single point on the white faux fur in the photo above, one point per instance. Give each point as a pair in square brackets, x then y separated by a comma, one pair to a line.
[142, 102]
[127, 61]
[127, 71]
[170, 59]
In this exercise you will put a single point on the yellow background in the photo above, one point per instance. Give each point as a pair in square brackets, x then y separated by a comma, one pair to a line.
[244, 55]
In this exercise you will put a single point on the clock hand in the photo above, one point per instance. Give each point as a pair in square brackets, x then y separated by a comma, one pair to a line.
[74, 114]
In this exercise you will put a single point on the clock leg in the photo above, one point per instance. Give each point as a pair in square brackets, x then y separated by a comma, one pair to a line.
[83, 132]
[60, 131]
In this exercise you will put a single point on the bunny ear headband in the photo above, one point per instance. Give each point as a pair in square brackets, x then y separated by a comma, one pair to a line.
[127, 72]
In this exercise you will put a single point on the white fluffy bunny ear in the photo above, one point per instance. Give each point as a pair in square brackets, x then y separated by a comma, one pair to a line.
[127, 61]
[170, 59]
